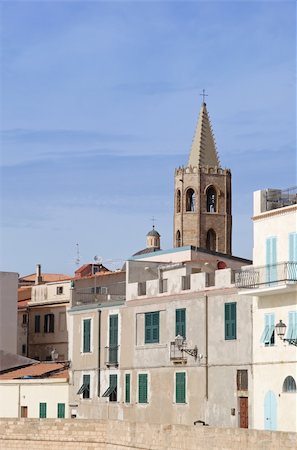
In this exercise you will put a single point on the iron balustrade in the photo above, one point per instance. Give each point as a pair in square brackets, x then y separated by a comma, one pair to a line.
[266, 276]
[111, 355]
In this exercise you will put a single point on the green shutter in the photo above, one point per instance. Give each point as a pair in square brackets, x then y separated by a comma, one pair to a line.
[87, 335]
[42, 410]
[113, 338]
[61, 410]
[152, 325]
[127, 388]
[142, 388]
[230, 321]
[180, 322]
[180, 387]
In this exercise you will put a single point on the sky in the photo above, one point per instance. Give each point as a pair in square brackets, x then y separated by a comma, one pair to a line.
[99, 103]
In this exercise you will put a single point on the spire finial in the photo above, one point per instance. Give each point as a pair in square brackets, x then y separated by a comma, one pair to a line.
[153, 220]
[203, 95]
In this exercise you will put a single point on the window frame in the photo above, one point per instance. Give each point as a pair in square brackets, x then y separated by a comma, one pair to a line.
[181, 324]
[86, 394]
[289, 385]
[230, 333]
[59, 290]
[49, 323]
[142, 388]
[180, 396]
[84, 321]
[151, 330]
[37, 323]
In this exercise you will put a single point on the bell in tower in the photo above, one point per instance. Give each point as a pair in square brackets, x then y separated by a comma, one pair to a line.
[202, 199]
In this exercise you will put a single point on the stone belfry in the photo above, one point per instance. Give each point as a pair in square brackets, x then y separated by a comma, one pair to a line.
[202, 195]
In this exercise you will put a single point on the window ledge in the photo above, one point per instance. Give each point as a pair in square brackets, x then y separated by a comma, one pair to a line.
[150, 346]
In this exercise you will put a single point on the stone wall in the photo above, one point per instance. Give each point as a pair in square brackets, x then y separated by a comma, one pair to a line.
[52, 434]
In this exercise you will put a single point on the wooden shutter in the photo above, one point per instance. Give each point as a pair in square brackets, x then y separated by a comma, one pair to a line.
[127, 388]
[142, 388]
[180, 322]
[180, 387]
[61, 410]
[230, 321]
[42, 410]
[87, 335]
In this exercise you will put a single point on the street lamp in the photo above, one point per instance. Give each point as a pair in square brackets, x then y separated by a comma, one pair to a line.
[182, 346]
[280, 328]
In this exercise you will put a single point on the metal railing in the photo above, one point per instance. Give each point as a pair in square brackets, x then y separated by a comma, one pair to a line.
[175, 353]
[111, 355]
[277, 198]
[266, 276]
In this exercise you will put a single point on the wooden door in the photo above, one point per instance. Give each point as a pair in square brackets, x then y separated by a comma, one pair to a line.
[270, 411]
[243, 412]
[24, 411]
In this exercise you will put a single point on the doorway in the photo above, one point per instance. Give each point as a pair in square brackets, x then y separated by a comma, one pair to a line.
[270, 411]
[243, 412]
[24, 411]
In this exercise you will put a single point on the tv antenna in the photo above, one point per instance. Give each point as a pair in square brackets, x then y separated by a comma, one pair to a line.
[77, 260]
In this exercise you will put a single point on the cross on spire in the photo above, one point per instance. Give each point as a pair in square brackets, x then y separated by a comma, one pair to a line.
[203, 95]
[153, 220]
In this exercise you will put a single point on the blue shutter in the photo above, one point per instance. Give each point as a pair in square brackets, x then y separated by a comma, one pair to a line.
[293, 247]
[264, 337]
[268, 333]
[271, 259]
[292, 328]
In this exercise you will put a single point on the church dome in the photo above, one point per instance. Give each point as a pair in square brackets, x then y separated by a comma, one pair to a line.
[153, 232]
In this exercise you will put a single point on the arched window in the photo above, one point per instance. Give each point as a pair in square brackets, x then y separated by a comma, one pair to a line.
[190, 200]
[211, 239]
[289, 384]
[178, 239]
[178, 201]
[211, 200]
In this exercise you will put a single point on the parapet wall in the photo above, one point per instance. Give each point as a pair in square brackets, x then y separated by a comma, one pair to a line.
[66, 434]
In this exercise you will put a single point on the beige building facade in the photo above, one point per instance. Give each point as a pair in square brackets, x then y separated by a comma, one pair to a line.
[8, 311]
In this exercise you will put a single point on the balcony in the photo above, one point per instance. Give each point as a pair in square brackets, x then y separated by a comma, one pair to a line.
[111, 355]
[265, 279]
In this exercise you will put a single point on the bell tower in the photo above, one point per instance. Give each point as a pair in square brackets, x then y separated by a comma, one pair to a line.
[202, 195]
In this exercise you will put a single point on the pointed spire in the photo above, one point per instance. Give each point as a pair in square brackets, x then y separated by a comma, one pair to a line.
[203, 150]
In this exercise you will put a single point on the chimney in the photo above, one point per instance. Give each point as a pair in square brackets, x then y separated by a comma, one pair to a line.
[38, 278]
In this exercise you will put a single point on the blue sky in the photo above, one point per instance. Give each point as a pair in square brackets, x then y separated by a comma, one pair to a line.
[99, 102]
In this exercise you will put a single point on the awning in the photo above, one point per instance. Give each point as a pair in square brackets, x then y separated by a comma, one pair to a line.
[83, 388]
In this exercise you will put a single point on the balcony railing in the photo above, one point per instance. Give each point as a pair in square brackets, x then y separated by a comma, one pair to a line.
[111, 355]
[266, 276]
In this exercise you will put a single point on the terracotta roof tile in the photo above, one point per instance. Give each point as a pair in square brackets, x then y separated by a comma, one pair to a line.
[38, 370]
[46, 277]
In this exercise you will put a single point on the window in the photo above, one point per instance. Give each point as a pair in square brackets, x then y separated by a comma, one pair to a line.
[24, 319]
[127, 387]
[178, 201]
[86, 335]
[186, 282]
[85, 387]
[142, 388]
[163, 285]
[113, 339]
[211, 200]
[289, 384]
[271, 260]
[180, 322]
[242, 380]
[59, 290]
[230, 321]
[24, 349]
[293, 247]
[211, 240]
[292, 328]
[86, 383]
[111, 391]
[42, 410]
[190, 200]
[180, 387]
[61, 411]
[268, 334]
[49, 323]
[37, 324]
[142, 288]
[152, 327]
[178, 239]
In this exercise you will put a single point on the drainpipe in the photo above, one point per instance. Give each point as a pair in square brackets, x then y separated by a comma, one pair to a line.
[99, 351]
